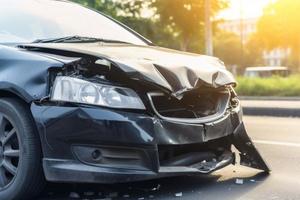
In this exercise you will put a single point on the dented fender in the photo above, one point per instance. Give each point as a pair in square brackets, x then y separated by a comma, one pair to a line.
[25, 74]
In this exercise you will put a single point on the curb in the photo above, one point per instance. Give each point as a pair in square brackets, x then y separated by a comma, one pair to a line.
[269, 98]
[275, 112]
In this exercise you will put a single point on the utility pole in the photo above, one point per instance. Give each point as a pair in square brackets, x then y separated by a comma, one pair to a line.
[208, 29]
[242, 34]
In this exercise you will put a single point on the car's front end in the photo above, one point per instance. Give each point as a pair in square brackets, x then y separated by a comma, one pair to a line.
[83, 98]
[101, 123]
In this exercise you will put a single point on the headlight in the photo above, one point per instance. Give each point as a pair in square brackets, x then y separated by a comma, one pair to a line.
[76, 90]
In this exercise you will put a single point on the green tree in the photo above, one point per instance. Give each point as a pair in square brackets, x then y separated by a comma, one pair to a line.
[177, 24]
[185, 20]
[128, 12]
[279, 26]
[108, 7]
[253, 52]
[227, 46]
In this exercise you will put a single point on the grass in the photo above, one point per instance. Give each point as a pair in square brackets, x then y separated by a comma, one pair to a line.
[273, 86]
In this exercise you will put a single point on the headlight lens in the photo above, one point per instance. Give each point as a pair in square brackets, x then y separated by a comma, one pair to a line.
[76, 90]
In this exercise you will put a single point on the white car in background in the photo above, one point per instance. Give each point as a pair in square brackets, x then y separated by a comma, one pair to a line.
[266, 71]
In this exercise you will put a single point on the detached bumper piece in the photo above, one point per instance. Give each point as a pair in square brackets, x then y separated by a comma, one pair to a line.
[249, 156]
[204, 162]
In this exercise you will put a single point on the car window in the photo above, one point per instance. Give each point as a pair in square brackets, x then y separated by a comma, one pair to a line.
[23, 21]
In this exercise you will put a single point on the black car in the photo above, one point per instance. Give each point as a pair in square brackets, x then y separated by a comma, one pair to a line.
[85, 99]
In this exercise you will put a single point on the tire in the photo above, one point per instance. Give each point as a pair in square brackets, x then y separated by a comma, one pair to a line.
[21, 173]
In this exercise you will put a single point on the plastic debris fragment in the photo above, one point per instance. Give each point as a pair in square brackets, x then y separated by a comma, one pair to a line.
[179, 194]
[74, 195]
[239, 181]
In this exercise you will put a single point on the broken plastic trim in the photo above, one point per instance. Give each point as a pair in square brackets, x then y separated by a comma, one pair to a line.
[249, 155]
[208, 167]
[220, 114]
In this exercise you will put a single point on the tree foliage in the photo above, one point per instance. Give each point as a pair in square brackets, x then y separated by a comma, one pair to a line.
[237, 56]
[279, 26]
[108, 7]
[176, 24]
[185, 19]
[227, 46]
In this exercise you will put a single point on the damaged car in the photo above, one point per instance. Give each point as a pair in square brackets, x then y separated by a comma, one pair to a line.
[85, 99]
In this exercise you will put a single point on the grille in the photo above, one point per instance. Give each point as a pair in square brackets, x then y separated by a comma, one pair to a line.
[193, 107]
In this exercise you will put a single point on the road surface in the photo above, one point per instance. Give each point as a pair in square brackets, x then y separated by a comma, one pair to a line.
[278, 139]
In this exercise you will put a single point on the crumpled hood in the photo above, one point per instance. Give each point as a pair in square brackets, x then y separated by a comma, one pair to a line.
[174, 70]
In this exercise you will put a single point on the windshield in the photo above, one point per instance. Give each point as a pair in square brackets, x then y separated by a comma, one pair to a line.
[24, 21]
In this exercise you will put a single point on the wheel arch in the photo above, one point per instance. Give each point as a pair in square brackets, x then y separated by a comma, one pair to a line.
[26, 100]
[31, 180]
[10, 90]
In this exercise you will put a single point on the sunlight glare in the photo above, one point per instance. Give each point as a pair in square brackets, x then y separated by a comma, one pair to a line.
[244, 8]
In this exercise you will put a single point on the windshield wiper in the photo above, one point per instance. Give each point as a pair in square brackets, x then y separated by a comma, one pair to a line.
[77, 39]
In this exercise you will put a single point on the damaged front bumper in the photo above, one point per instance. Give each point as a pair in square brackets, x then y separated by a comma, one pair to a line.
[88, 144]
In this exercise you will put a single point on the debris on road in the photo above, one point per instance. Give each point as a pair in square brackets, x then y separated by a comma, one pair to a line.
[113, 195]
[74, 195]
[239, 181]
[156, 188]
[88, 193]
[179, 194]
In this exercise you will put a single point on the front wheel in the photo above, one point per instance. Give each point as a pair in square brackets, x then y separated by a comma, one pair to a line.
[21, 174]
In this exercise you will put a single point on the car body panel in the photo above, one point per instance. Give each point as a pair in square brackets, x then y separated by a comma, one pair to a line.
[63, 128]
[70, 133]
[174, 70]
[25, 74]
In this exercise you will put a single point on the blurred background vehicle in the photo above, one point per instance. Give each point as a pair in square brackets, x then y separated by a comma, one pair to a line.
[267, 71]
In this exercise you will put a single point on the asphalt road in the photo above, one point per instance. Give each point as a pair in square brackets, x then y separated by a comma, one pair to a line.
[278, 139]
